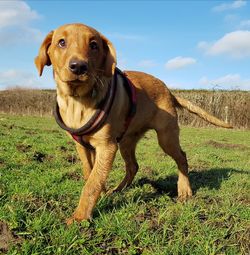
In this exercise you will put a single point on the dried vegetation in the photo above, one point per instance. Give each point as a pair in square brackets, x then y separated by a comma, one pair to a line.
[230, 106]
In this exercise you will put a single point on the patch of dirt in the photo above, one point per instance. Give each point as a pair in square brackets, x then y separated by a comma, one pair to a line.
[151, 215]
[226, 145]
[71, 143]
[51, 130]
[108, 248]
[202, 217]
[8, 126]
[63, 148]
[73, 176]
[244, 199]
[2, 191]
[23, 147]
[31, 203]
[199, 166]
[108, 243]
[241, 237]
[148, 171]
[71, 158]
[30, 132]
[1, 162]
[212, 200]
[39, 156]
[6, 237]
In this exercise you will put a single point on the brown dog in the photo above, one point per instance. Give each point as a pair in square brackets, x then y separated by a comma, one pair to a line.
[84, 65]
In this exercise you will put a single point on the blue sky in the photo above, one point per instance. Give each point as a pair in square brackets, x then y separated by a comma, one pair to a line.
[187, 44]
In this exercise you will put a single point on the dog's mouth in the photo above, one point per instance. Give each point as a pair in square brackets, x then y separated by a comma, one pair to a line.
[79, 80]
[73, 80]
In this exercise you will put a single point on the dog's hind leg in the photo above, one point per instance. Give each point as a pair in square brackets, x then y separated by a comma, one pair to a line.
[168, 139]
[127, 149]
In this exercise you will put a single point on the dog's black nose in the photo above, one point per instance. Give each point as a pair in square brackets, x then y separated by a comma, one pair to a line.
[78, 66]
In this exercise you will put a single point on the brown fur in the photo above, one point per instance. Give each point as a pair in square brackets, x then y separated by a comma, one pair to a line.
[77, 96]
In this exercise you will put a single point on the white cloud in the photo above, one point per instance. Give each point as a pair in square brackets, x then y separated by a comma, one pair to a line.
[235, 44]
[229, 81]
[204, 46]
[26, 79]
[13, 36]
[245, 23]
[14, 13]
[230, 6]
[231, 19]
[15, 19]
[147, 63]
[14, 77]
[179, 62]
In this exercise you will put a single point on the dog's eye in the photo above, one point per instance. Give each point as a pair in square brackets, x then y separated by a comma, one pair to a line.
[62, 43]
[93, 45]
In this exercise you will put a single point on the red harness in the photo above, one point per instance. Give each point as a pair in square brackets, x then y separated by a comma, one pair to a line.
[102, 112]
[130, 88]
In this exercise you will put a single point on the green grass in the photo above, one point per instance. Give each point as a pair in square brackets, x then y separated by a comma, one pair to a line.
[40, 183]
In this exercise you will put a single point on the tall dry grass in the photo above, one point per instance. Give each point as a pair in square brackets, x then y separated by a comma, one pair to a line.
[27, 101]
[230, 106]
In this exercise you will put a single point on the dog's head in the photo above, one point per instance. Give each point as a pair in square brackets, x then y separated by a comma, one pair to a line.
[78, 53]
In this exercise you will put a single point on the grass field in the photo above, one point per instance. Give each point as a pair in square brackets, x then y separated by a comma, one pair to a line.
[40, 183]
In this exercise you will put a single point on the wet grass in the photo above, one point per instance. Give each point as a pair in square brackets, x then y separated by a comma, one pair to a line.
[40, 183]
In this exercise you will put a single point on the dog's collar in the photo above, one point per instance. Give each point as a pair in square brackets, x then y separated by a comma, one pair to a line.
[97, 119]
[102, 112]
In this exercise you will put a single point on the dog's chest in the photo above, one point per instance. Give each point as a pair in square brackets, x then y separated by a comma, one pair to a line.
[74, 114]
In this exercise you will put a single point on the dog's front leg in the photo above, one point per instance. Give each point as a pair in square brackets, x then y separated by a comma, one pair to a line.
[88, 159]
[105, 154]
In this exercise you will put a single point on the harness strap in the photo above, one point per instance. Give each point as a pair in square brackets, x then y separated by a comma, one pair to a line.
[97, 119]
[79, 139]
[101, 114]
[130, 88]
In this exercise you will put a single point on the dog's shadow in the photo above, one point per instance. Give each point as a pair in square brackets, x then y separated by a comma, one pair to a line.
[210, 178]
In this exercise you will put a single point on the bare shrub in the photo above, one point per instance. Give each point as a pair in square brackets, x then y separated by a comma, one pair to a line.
[230, 106]
[27, 101]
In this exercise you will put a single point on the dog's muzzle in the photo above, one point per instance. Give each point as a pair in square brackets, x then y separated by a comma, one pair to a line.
[78, 67]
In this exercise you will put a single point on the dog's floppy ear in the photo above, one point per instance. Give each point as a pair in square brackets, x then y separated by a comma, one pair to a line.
[110, 59]
[43, 58]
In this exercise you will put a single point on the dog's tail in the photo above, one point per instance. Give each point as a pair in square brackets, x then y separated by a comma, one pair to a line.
[181, 102]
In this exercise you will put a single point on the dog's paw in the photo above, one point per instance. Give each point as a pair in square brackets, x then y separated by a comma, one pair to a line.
[70, 220]
[184, 189]
[184, 194]
[77, 217]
